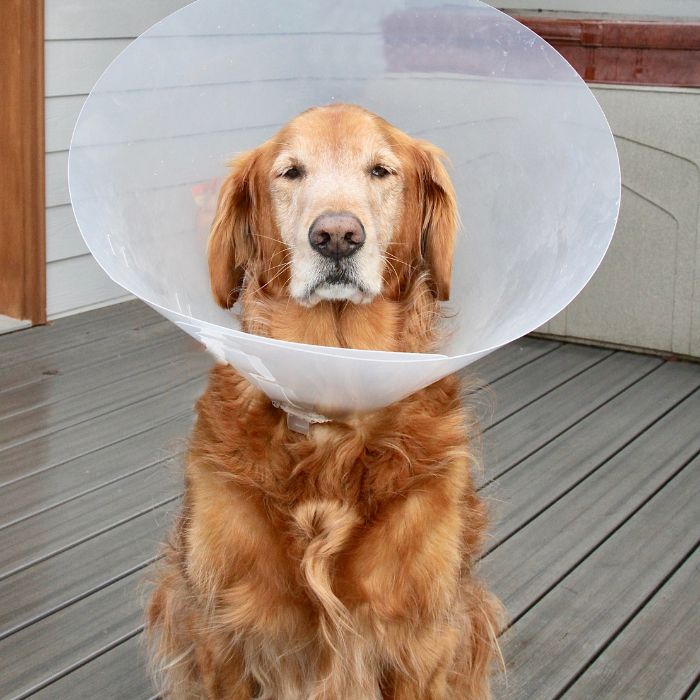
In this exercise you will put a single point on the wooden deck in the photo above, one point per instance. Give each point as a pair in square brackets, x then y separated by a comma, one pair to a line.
[592, 468]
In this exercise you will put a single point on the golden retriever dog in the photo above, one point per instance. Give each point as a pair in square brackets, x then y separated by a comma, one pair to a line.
[338, 564]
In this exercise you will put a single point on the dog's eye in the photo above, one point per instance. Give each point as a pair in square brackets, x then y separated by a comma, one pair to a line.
[292, 173]
[379, 171]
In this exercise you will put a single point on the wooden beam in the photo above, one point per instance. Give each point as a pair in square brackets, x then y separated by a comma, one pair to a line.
[22, 224]
[625, 51]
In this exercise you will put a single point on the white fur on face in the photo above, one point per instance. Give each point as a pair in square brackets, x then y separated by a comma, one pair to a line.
[334, 176]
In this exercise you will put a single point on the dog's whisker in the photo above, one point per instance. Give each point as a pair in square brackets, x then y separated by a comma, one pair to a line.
[279, 274]
[257, 234]
[394, 258]
[393, 269]
[272, 268]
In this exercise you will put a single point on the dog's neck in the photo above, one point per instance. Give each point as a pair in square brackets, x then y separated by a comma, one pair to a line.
[403, 321]
[396, 323]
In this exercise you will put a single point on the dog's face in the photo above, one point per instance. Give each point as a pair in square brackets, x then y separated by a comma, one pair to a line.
[337, 191]
[338, 206]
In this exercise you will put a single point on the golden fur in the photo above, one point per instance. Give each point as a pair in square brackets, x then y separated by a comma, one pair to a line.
[335, 565]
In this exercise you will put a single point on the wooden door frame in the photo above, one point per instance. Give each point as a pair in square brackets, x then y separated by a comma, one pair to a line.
[22, 176]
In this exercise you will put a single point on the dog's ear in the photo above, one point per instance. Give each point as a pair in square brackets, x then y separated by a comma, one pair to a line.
[440, 216]
[231, 244]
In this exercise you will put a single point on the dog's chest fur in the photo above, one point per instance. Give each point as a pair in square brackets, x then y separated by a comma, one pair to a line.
[309, 558]
[255, 475]
[363, 461]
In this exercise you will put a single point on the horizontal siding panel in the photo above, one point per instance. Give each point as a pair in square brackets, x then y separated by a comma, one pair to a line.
[174, 158]
[90, 19]
[165, 163]
[63, 239]
[147, 115]
[169, 61]
[78, 284]
[57, 179]
[61, 116]
[268, 17]
[73, 67]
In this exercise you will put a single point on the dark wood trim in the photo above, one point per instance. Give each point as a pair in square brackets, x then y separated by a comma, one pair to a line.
[22, 186]
[624, 51]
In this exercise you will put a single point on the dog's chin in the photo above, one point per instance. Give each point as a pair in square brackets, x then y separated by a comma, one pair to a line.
[340, 291]
[337, 291]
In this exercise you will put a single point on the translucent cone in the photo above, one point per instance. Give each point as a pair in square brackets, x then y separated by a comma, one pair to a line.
[533, 163]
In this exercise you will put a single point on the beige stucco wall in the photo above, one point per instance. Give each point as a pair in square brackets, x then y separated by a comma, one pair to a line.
[646, 293]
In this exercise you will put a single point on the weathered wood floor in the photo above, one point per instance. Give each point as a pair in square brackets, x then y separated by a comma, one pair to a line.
[591, 467]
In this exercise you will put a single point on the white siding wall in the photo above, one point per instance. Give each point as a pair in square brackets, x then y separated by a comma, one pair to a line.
[81, 38]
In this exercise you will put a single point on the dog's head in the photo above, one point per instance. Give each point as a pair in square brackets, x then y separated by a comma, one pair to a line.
[338, 206]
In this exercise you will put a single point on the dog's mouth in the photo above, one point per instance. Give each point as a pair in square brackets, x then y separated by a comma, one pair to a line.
[340, 283]
[339, 276]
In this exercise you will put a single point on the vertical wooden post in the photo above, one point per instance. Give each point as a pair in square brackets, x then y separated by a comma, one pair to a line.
[22, 195]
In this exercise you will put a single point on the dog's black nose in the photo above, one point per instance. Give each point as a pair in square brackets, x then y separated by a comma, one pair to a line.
[336, 235]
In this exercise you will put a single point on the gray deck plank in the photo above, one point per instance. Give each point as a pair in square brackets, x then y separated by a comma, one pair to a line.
[534, 558]
[53, 449]
[507, 359]
[56, 582]
[694, 692]
[50, 419]
[65, 526]
[651, 658]
[558, 635]
[60, 388]
[516, 438]
[36, 654]
[519, 388]
[82, 358]
[119, 674]
[25, 498]
[74, 331]
[523, 492]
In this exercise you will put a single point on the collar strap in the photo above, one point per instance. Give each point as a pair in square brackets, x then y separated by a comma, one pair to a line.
[299, 420]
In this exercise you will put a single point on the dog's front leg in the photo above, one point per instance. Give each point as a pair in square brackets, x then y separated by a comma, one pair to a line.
[407, 569]
[245, 592]
[221, 681]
